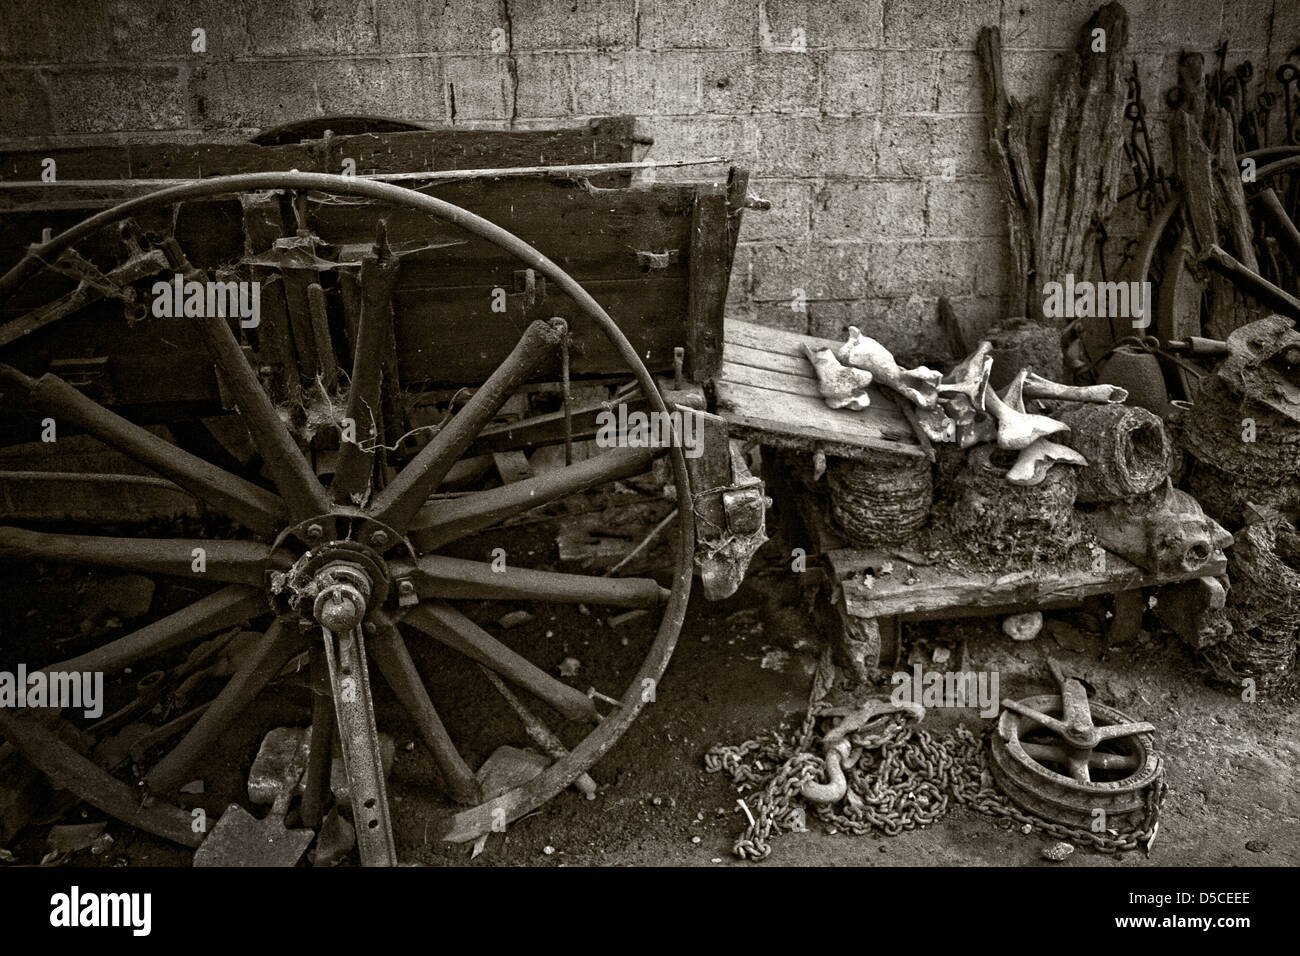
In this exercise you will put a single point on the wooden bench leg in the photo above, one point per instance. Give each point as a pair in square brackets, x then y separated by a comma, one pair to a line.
[1127, 620]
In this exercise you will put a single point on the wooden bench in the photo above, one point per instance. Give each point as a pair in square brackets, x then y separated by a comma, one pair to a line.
[766, 389]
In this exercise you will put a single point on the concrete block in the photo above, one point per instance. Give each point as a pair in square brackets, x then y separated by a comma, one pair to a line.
[255, 94]
[544, 84]
[926, 267]
[680, 137]
[96, 99]
[639, 82]
[968, 207]
[803, 146]
[926, 146]
[575, 25]
[825, 26]
[303, 27]
[407, 87]
[696, 24]
[27, 104]
[477, 87]
[936, 24]
[786, 272]
[910, 79]
[33, 31]
[789, 216]
[853, 82]
[779, 315]
[867, 210]
[433, 26]
[757, 82]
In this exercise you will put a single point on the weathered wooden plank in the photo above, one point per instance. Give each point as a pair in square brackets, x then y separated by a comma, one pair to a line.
[158, 161]
[733, 354]
[452, 336]
[881, 406]
[808, 420]
[608, 140]
[591, 233]
[710, 268]
[935, 590]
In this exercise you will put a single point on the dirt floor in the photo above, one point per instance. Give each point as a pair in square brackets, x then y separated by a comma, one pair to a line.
[742, 667]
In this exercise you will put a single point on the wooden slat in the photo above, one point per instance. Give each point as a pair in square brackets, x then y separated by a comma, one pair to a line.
[774, 361]
[807, 419]
[767, 384]
[710, 268]
[881, 406]
[931, 590]
[452, 336]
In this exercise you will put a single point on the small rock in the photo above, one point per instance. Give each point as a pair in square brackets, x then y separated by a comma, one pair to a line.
[1023, 627]
[1258, 846]
[194, 786]
[514, 619]
[548, 850]
[102, 845]
[74, 837]
[6, 856]
[1058, 851]
[657, 801]
[1027, 829]
[941, 654]
[129, 595]
[696, 840]
[716, 859]
[569, 667]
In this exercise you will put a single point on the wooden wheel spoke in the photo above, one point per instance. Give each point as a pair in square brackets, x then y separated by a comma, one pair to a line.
[71, 771]
[437, 576]
[373, 340]
[452, 628]
[316, 782]
[231, 605]
[390, 653]
[229, 562]
[255, 507]
[262, 666]
[397, 504]
[443, 521]
[293, 476]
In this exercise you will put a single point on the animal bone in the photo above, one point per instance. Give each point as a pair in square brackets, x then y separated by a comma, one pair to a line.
[969, 376]
[1018, 429]
[919, 385]
[841, 386]
[1033, 463]
[1038, 387]
[981, 429]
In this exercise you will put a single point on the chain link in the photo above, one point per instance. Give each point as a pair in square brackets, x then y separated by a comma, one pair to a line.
[899, 778]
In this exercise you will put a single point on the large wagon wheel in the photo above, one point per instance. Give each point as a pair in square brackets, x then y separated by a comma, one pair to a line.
[320, 565]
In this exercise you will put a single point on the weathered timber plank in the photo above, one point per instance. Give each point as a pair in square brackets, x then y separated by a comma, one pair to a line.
[808, 421]
[933, 590]
[452, 336]
[710, 269]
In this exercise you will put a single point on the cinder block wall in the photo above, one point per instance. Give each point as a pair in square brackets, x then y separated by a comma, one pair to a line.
[860, 119]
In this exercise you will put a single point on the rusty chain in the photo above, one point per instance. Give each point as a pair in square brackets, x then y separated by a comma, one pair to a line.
[899, 778]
